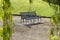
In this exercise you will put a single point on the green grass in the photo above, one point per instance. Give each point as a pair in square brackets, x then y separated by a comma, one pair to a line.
[42, 8]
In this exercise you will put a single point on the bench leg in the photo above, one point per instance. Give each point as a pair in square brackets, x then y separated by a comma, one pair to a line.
[23, 21]
[34, 20]
[39, 19]
[26, 21]
[30, 21]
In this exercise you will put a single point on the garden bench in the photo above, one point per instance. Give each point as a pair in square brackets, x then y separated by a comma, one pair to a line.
[29, 16]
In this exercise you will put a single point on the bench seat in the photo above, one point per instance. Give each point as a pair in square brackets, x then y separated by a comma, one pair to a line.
[29, 16]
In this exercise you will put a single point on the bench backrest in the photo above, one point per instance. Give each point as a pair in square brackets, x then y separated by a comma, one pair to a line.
[32, 13]
[27, 14]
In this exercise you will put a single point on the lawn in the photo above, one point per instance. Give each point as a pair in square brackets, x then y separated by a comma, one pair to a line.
[42, 8]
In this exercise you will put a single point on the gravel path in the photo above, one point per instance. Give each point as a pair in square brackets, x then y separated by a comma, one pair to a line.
[36, 32]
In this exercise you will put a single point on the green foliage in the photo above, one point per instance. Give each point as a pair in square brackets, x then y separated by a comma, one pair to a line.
[1, 32]
[7, 20]
[55, 19]
[55, 24]
[53, 1]
[54, 31]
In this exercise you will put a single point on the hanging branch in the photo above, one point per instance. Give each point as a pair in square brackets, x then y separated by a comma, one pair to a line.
[57, 2]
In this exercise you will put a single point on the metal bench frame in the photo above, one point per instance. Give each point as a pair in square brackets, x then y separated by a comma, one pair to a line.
[29, 16]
